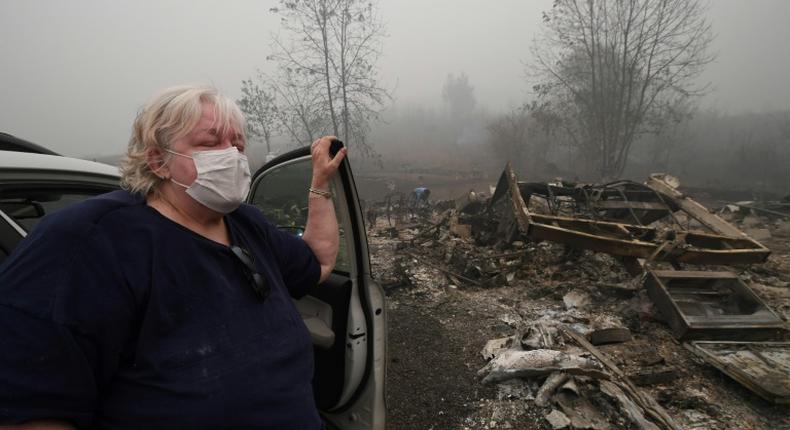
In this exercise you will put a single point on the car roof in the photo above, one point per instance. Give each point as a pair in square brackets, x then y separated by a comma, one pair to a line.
[12, 143]
[12, 160]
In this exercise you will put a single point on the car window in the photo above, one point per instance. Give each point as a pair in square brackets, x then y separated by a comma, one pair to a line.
[282, 195]
[28, 205]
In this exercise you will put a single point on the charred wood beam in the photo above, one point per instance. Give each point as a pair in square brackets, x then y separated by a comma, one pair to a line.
[519, 207]
[627, 240]
[694, 209]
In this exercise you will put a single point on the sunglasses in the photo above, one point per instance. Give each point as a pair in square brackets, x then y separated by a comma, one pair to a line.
[255, 279]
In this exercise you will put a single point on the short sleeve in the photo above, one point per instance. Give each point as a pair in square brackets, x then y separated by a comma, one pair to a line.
[65, 315]
[297, 262]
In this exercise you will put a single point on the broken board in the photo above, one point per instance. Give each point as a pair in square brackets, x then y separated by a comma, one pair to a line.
[762, 367]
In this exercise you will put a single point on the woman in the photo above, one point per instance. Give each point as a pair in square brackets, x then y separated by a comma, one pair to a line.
[167, 304]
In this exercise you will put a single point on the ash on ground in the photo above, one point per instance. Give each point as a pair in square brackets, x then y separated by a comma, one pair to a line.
[454, 305]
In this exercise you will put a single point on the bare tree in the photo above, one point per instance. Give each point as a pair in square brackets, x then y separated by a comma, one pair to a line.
[287, 103]
[508, 135]
[358, 40]
[667, 137]
[259, 108]
[301, 111]
[614, 70]
[334, 45]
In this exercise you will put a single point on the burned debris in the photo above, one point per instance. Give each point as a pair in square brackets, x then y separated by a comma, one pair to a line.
[761, 367]
[711, 305]
[608, 233]
[619, 260]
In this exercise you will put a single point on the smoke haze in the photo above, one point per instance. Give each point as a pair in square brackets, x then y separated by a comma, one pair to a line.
[74, 73]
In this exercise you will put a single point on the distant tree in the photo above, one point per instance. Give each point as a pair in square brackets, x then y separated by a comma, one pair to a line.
[459, 95]
[614, 70]
[508, 135]
[459, 98]
[301, 113]
[260, 110]
[333, 45]
[667, 137]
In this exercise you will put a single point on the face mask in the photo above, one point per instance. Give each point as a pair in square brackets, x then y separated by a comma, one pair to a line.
[223, 179]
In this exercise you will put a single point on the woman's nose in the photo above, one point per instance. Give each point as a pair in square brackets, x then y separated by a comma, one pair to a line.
[226, 142]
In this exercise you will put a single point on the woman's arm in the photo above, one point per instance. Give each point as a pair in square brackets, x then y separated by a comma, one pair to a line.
[321, 232]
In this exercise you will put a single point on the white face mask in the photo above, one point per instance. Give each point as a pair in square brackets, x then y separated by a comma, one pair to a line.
[223, 178]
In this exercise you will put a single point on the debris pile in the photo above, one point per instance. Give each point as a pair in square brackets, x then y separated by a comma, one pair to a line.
[603, 281]
[761, 220]
[583, 388]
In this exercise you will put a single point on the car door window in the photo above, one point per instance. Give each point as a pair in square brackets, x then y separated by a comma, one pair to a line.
[22, 206]
[282, 195]
[26, 206]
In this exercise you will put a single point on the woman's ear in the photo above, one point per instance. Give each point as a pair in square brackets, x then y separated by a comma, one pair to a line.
[155, 158]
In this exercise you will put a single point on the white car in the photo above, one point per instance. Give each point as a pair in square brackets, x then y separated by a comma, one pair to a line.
[33, 185]
[345, 314]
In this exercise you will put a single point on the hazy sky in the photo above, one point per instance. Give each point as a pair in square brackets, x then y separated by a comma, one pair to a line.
[75, 72]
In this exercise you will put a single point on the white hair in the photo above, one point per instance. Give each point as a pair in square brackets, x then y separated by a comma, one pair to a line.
[169, 116]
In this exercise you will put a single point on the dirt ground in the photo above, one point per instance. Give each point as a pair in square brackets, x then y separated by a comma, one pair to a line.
[435, 335]
[438, 325]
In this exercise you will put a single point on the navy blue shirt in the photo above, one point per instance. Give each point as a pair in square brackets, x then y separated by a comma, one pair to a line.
[113, 316]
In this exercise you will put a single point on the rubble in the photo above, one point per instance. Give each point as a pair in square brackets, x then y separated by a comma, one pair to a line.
[724, 245]
[554, 381]
[783, 228]
[609, 335]
[580, 410]
[762, 367]
[773, 209]
[624, 384]
[633, 411]
[760, 234]
[513, 363]
[654, 375]
[541, 334]
[562, 367]
[624, 267]
[576, 300]
[558, 420]
[496, 346]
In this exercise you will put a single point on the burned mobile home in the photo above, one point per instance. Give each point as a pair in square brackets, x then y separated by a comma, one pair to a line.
[596, 218]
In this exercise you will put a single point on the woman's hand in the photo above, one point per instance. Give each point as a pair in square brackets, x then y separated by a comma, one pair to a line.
[324, 166]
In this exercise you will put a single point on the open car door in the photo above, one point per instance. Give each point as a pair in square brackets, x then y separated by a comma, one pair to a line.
[346, 314]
